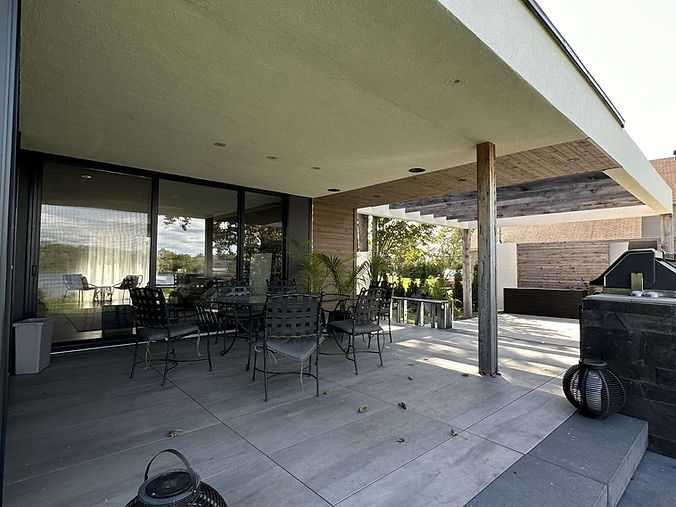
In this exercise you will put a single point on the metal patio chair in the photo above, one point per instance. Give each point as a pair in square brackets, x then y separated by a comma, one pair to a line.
[211, 321]
[127, 283]
[292, 329]
[386, 303]
[363, 320]
[153, 325]
[281, 287]
[77, 282]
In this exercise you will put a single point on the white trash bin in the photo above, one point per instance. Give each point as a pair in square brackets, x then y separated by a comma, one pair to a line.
[32, 345]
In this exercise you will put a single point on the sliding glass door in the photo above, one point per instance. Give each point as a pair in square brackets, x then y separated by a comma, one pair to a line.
[97, 232]
[94, 232]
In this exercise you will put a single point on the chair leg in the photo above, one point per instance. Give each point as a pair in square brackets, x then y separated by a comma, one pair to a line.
[133, 363]
[370, 336]
[316, 370]
[354, 356]
[380, 349]
[265, 372]
[208, 351]
[389, 326]
[166, 363]
[253, 378]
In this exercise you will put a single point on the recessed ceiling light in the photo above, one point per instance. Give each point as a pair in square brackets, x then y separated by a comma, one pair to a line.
[315, 168]
[220, 145]
[377, 196]
[458, 81]
[271, 157]
[462, 180]
[333, 190]
[416, 170]
[573, 159]
[85, 176]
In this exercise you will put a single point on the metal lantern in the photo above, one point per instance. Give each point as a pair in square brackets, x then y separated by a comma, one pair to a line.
[176, 488]
[593, 389]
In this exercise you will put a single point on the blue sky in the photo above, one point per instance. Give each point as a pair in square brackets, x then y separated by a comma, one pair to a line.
[630, 48]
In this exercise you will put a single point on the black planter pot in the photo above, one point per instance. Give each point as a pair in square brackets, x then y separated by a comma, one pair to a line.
[593, 389]
[176, 488]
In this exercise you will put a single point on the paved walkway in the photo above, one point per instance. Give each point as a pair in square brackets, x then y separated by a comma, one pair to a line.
[81, 432]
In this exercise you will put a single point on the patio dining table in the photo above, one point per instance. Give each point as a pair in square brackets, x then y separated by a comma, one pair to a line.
[252, 306]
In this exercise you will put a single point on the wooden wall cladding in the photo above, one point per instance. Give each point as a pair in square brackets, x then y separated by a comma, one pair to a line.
[333, 229]
[561, 265]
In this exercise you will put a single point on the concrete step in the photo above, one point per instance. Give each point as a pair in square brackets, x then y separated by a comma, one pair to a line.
[584, 462]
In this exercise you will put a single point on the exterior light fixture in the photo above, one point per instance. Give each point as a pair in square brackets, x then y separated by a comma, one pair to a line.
[315, 168]
[271, 157]
[416, 170]
[172, 488]
[593, 389]
[333, 190]
[85, 176]
[458, 81]
[220, 145]
[462, 180]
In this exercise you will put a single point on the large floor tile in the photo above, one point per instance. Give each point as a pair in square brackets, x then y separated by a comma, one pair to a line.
[278, 427]
[405, 381]
[281, 390]
[342, 461]
[262, 483]
[533, 482]
[467, 401]
[56, 414]
[450, 474]
[114, 479]
[523, 424]
[42, 453]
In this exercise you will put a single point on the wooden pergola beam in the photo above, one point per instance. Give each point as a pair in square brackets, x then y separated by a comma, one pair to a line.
[487, 242]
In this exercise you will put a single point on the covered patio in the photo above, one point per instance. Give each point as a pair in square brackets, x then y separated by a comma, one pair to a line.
[259, 124]
[81, 432]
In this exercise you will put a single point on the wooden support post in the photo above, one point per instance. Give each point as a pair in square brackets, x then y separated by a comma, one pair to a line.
[466, 273]
[488, 294]
[666, 241]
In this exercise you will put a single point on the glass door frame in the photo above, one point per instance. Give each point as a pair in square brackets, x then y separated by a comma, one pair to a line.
[33, 162]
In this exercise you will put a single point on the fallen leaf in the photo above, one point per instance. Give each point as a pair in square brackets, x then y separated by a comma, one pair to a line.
[175, 432]
[410, 378]
[454, 433]
[327, 391]
[361, 410]
[401, 440]
[465, 374]
[402, 405]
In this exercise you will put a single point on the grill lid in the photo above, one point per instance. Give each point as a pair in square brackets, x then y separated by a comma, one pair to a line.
[658, 269]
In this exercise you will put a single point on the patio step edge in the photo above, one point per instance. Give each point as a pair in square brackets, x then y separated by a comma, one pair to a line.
[583, 462]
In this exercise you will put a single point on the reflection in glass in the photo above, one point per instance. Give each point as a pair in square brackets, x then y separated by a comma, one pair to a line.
[94, 233]
[197, 239]
[263, 240]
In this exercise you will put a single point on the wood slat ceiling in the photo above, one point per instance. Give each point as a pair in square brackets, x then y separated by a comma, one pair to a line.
[575, 192]
[573, 157]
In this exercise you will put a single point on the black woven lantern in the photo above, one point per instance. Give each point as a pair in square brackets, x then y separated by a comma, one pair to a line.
[593, 389]
[176, 488]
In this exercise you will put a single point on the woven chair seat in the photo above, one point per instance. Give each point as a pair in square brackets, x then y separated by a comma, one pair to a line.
[299, 349]
[152, 334]
[359, 327]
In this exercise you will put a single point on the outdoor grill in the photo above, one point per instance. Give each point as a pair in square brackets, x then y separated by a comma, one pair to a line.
[648, 273]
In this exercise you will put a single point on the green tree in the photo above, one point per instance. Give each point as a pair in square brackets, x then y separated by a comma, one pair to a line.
[395, 243]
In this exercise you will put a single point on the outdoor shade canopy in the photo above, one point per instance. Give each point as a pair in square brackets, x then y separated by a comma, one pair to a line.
[337, 95]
